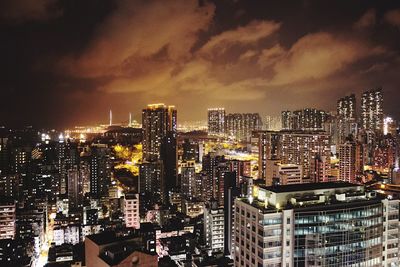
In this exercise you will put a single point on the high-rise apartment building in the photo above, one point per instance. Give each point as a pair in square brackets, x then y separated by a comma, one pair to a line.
[216, 121]
[347, 162]
[308, 119]
[302, 148]
[100, 170]
[188, 179]
[74, 187]
[318, 224]
[131, 210]
[240, 125]
[7, 218]
[214, 227]
[346, 107]
[346, 118]
[287, 120]
[372, 110]
[157, 121]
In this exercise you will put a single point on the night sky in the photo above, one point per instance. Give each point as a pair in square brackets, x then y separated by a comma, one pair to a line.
[67, 62]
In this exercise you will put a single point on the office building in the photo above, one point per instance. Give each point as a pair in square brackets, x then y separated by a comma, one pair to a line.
[318, 224]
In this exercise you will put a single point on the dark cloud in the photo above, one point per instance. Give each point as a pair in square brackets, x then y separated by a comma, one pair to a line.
[18, 11]
[70, 67]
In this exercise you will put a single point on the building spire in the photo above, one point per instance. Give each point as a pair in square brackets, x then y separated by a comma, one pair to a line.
[110, 117]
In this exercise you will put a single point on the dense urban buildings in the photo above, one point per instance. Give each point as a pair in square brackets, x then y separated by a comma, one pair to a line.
[308, 194]
[285, 153]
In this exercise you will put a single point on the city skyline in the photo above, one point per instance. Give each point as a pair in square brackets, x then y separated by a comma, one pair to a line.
[67, 64]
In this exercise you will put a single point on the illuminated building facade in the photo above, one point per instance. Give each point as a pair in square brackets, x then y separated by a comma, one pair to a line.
[302, 148]
[188, 179]
[346, 117]
[7, 218]
[372, 110]
[283, 174]
[320, 224]
[216, 121]
[214, 227]
[347, 162]
[157, 121]
[240, 125]
[131, 210]
[308, 119]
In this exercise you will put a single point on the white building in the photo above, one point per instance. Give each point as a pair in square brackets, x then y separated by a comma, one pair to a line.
[214, 226]
[7, 219]
[278, 173]
[131, 211]
[316, 224]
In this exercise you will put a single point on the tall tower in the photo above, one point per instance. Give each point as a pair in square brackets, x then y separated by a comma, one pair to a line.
[216, 121]
[372, 110]
[159, 123]
[110, 117]
[346, 118]
[347, 162]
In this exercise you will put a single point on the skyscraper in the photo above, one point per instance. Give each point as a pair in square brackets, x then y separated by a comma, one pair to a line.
[346, 118]
[287, 120]
[302, 148]
[347, 162]
[188, 179]
[372, 110]
[216, 121]
[346, 107]
[100, 170]
[308, 119]
[240, 125]
[157, 121]
[322, 224]
[214, 227]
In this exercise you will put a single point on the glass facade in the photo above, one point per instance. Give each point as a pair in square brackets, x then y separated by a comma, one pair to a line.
[331, 237]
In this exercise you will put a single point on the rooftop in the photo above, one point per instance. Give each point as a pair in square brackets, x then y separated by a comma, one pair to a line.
[308, 187]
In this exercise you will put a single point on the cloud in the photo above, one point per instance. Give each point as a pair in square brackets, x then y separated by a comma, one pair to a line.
[393, 17]
[18, 11]
[249, 34]
[367, 20]
[270, 56]
[141, 31]
[318, 55]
